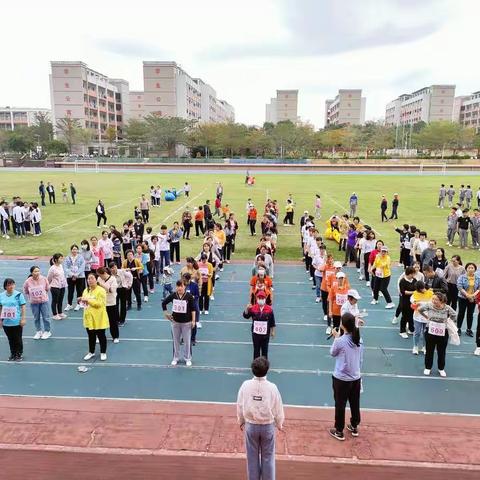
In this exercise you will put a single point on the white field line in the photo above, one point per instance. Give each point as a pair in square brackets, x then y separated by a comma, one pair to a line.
[89, 216]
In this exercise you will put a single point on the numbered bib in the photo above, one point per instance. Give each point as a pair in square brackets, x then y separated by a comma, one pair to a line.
[260, 327]
[340, 298]
[437, 329]
[203, 271]
[8, 313]
[179, 306]
[36, 292]
[379, 273]
[407, 244]
[329, 273]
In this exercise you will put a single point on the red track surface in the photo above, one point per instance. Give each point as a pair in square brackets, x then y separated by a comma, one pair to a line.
[69, 439]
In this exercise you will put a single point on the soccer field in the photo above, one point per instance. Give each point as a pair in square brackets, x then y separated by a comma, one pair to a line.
[64, 224]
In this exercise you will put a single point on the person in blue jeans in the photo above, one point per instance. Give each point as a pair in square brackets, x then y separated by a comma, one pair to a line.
[12, 318]
[259, 410]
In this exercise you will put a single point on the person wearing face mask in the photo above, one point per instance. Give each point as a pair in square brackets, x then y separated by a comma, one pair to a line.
[263, 324]
[87, 255]
[74, 267]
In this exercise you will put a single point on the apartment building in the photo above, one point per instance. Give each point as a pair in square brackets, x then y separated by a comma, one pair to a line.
[467, 110]
[347, 108]
[94, 99]
[428, 104]
[283, 107]
[12, 118]
[169, 91]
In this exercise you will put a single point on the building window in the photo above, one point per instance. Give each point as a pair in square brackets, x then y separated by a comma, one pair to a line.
[68, 113]
[67, 85]
[441, 110]
[442, 100]
[443, 91]
[157, 85]
[349, 104]
[159, 99]
[349, 95]
[67, 99]
[65, 71]
[138, 97]
[286, 96]
[157, 70]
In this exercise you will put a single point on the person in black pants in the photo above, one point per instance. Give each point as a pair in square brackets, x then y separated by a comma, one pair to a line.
[394, 207]
[263, 324]
[51, 193]
[135, 267]
[12, 318]
[121, 278]
[407, 288]
[100, 211]
[42, 191]
[347, 349]
[383, 209]
[73, 192]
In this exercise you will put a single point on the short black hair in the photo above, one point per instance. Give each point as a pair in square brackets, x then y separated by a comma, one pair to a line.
[7, 282]
[179, 283]
[260, 366]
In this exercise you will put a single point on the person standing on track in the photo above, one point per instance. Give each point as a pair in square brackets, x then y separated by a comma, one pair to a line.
[382, 268]
[109, 283]
[436, 314]
[451, 273]
[58, 282]
[74, 267]
[95, 318]
[263, 324]
[259, 410]
[347, 349]
[36, 289]
[182, 319]
[337, 296]
[252, 219]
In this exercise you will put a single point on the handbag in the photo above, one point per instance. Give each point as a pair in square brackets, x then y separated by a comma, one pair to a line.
[453, 336]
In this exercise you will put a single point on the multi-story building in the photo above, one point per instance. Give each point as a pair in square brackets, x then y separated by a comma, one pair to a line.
[347, 108]
[467, 110]
[12, 117]
[170, 92]
[95, 100]
[428, 104]
[283, 107]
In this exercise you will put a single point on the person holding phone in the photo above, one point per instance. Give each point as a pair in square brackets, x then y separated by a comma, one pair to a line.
[347, 349]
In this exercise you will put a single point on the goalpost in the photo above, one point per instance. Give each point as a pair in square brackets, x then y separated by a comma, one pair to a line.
[439, 168]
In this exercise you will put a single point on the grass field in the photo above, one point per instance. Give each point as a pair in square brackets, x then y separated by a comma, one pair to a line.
[64, 224]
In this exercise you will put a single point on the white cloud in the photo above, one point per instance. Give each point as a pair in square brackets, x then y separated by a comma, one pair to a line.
[246, 50]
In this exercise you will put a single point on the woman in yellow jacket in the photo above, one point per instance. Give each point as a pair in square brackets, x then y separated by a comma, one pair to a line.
[381, 266]
[95, 318]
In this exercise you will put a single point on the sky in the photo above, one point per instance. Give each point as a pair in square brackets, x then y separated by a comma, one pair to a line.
[247, 50]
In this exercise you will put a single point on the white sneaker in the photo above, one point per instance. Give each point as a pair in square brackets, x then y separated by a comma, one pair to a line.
[116, 340]
[426, 371]
[206, 312]
[174, 362]
[38, 336]
[199, 324]
[424, 350]
[325, 317]
[394, 320]
[328, 331]
[212, 297]
[56, 317]
[390, 305]
[221, 269]
[317, 300]
[310, 278]
[46, 335]
[68, 307]
[103, 357]
[361, 277]
[415, 350]
[358, 270]
[217, 277]
[442, 373]
[77, 308]
[62, 316]
[404, 334]
[188, 363]
[145, 299]
[373, 302]
[97, 341]
[368, 284]
[88, 356]
[477, 352]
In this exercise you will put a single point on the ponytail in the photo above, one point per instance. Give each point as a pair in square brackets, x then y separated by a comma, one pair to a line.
[348, 322]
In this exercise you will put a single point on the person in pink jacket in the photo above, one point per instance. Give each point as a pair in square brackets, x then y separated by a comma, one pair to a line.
[36, 288]
[58, 282]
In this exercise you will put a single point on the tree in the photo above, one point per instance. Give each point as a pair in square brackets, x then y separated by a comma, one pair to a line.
[42, 129]
[334, 138]
[110, 134]
[168, 132]
[204, 135]
[438, 136]
[283, 135]
[68, 128]
[56, 147]
[84, 136]
[232, 138]
[258, 142]
[20, 140]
